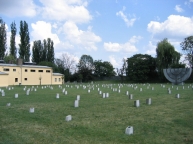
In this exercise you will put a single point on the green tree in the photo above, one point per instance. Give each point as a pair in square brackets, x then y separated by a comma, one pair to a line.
[187, 47]
[10, 59]
[85, 67]
[13, 49]
[24, 46]
[3, 39]
[50, 50]
[166, 56]
[37, 52]
[141, 68]
[103, 69]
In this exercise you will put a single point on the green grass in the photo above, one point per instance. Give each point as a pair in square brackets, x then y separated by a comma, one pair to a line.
[98, 121]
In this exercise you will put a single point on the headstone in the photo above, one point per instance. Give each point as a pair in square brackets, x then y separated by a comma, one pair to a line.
[68, 118]
[100, 92]
[177, 95]
[129, 130]
[127, 92]
[8, 104]
[103, 95]
[131, 96]
[27, 92]
[169, 91]
[57, 96]
[78, 97]
[140, 89]
[148, 101]
[3, 93]
[76, 103]
[31, 110]
[16, 95]
[66, 92]
[136, 103]
[88, 91]
[107, 95]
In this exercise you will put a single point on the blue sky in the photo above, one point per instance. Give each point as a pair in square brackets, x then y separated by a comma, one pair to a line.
[107, 30]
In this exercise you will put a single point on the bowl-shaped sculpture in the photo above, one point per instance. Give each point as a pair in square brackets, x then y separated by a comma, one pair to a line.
[177, 75]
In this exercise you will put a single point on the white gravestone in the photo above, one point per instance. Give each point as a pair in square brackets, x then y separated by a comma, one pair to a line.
[68, 118]
[127, 92]
[31, 110]
[16, 95]
[131, 96]
[57, 96]
[136, 103]
[129, 130]
[107, 95]
[148, 101]
[177, 95]
[78, 97]
[103, 95]
[76, 103]
[8, 104]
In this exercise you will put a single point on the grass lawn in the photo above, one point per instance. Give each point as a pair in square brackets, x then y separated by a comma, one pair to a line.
[97, 120]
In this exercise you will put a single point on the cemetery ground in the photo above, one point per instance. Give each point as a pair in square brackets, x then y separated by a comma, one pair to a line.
[97, 120]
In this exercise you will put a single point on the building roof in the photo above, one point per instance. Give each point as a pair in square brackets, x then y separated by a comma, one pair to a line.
[2, 73]
[58, 74]
[33, 66]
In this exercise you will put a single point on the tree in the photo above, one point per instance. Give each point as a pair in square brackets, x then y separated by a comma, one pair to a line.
[103, 69]
[141, 67]
[85, 67]
[122, 71]
[10, 59]
[3, 39]
[187, 47]
[50, 50]
[24, 46]
[13, 49]
[37, 52]
[166, 55]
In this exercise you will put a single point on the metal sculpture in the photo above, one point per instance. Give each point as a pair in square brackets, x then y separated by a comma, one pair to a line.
[177, 75]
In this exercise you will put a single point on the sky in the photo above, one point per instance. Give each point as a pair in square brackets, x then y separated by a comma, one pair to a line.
[107, 30]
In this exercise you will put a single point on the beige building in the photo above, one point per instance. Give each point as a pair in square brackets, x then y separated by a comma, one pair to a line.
[16, 74]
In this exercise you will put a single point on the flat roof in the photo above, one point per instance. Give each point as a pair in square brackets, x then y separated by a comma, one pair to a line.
[34, 66]
[59, 74]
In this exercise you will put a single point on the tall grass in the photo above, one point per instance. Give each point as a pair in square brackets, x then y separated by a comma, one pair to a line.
[97, 120]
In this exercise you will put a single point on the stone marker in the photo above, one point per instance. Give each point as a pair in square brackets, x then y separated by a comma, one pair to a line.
[68, 118]
[148, 101]
[16, 95]
[136, 103]
[107, 95]
[88, 91]
[66, 92]
[140, 89]
[152, 88]
[177, 95]
[8, 104]
[27, 92]
[78, 97]
[31, 110]
[131, 96]
[129, 130]
[127, 92]
[100, 92]
[169, 91]
[3, 93]
[76, 103]
[103, 95]
[57, 96]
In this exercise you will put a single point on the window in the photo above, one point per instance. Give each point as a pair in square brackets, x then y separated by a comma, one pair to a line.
[48, 71]
[25, 79]
[33, 70]
[5, 69]
[55, 79]
[59, 79]
[40, 70]
[16, 79]
[25, 70]
[14, 70]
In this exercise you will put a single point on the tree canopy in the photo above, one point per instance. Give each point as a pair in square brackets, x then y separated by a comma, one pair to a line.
[3, 39]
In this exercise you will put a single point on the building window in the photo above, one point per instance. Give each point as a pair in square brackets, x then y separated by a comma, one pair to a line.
[48, 71]
[25, 79]
[16, 79]
[33, 70]
[25, 70]
[5, 69]
[55, 79]
[59, 79]
[14, 70]
[40, 70]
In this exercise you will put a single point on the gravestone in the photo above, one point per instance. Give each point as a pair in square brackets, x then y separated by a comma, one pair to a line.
[57, 96]
[136, 103]
[68, 118]
[103, 95]
[76, 103]
[148, 101]
[16, 95]
[78, 97]
[177, 95]
[107, 95]
[129, 130]
[8, 104]
[66, 92]
[127, 92]
[31, 110]
[131, 96]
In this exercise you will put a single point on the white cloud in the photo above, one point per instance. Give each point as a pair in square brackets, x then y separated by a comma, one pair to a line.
[128, 47]
[72, 10]
[18, 8]
[83, 39]
[43, 30]
[129, 22]
[178, 8]
[174, 27]
[151, 49]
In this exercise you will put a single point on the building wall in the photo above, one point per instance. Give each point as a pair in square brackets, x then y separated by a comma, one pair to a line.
[56, 79]
[3, 80]
[29, 75]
